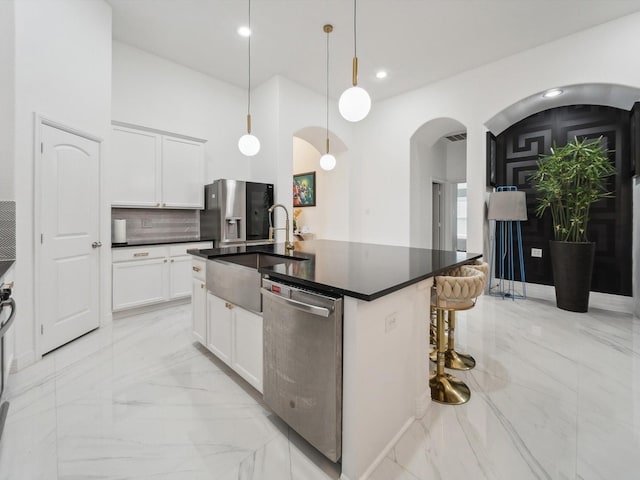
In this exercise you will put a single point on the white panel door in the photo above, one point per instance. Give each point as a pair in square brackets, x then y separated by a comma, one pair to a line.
[70, 220]
[247, 346]
[219, 327]
[182, 173]
[180, 277]
[135, 178]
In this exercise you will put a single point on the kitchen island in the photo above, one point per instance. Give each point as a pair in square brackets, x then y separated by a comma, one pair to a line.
[385, 334]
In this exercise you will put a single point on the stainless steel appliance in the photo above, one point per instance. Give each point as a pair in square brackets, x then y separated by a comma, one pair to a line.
[6, 301]
[236, 212]
[303, 362]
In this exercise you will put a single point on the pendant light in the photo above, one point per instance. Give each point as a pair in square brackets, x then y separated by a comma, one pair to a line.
[327, 161]
[249, 144]
[354, 103]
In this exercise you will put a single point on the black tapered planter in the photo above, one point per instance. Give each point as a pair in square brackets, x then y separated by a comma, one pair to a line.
[572, 264]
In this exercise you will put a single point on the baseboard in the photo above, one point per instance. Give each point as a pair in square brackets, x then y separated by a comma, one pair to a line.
[23, 361]
[604, 301]
[423, 402]
[10, 362]
[149, 308]
[385, 451]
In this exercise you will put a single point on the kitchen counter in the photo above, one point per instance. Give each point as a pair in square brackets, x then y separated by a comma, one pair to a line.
[5, 265]
[385, 332]
[359, 270]
[142, 243]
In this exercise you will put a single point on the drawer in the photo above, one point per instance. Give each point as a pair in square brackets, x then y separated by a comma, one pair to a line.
[181, 248]
[198, 268]
[139, 253]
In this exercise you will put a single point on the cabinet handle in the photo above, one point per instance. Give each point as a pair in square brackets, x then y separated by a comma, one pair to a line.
[202, 285]
[158, 204]
[141, 254]
[196, 269]
[164, 204]
[165, 260]
[172, 260]
[228, 305]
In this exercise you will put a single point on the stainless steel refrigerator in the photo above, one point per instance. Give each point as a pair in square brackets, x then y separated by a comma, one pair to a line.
[236, 212]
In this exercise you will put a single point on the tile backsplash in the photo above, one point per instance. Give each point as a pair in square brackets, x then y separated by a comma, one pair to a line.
[7, 230]
[159, 225]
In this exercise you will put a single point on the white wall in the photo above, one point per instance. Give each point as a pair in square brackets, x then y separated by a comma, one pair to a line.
[154, 92]
[456, 161]
[286, 117]
[473, 97]
[7, 112]
[62, 71]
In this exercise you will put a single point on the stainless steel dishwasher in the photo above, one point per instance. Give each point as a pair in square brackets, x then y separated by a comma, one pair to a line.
[303, 362]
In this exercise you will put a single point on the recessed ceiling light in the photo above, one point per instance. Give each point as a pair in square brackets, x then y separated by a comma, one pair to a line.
[381, 74]
[244, 31]
[552, 93]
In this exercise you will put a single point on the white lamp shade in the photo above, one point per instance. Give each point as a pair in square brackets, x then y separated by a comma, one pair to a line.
[354, 104]
[508, 205]
[327, 161]
[249, 145]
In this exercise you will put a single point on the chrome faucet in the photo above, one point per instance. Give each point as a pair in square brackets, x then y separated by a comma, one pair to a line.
[287, 244]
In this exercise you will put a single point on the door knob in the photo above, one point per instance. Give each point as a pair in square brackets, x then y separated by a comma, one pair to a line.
[96, 244]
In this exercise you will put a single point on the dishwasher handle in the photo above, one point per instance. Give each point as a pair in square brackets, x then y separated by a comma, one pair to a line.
[305, 307]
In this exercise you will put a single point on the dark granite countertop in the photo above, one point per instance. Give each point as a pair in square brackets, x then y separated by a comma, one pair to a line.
[150, 243]
[360, 270]
[5, 265]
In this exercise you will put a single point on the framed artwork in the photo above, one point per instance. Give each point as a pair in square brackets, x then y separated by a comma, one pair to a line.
[304, 189]
[492, 181]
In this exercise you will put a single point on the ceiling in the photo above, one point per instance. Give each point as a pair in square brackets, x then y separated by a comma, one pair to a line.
[416, 41]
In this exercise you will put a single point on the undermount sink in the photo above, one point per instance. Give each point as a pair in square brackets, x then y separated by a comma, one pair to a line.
[235, 278]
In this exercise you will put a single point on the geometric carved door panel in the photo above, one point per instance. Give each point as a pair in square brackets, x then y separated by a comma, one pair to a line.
[517, 150]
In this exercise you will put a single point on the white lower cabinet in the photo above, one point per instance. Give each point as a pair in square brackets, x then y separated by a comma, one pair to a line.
[199, 301]
[139, 282]
[179, 276]
[233, 334]
[247, 346]
[219, 327]
[154, 274]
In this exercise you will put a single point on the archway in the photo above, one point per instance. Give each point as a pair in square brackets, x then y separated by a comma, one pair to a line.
[438, 162]
[328, 218]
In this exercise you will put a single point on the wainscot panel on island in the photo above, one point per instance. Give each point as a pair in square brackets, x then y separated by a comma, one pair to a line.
[385, 334]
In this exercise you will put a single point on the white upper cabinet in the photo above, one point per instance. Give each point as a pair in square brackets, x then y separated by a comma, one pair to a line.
[150, 168]
[135, 167]
[182, 173]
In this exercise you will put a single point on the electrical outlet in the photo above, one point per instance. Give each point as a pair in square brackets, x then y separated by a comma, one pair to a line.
[146, 223]
[390, 323]
[536, 252]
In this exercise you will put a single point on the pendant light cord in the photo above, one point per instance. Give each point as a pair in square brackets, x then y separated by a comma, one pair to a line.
[249, 88]
[355, 43]
[327, 98]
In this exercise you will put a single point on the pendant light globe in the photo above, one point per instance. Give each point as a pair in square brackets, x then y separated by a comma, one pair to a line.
[354, 104]
[327, 162]
[249, 145]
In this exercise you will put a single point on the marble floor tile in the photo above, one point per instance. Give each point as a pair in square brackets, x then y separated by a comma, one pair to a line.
[555, 395]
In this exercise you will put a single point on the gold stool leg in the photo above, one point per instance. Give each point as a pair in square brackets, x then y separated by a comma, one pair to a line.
[433, 328]
[446, 388]
[453, 359]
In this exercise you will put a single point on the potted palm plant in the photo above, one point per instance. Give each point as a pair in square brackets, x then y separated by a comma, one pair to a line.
[569, 180]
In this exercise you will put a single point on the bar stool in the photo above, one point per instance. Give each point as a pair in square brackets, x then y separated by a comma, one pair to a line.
[456, 291]
[453, 359]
